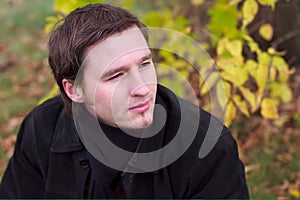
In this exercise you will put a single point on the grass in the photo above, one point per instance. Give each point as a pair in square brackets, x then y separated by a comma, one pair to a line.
[24, 74]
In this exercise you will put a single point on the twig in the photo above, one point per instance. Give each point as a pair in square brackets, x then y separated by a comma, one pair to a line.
[284, 38]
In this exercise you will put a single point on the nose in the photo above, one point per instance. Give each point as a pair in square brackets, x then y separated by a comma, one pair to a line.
[139, 85]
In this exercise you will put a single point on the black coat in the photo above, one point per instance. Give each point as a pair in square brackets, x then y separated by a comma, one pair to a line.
[50, 160]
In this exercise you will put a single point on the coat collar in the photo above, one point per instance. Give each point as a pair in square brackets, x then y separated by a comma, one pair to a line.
[65, 138]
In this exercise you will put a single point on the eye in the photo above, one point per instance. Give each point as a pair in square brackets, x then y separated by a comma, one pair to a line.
[145, 64]
[116, 76]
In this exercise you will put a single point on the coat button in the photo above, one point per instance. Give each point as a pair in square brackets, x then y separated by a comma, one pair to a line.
[84, 163]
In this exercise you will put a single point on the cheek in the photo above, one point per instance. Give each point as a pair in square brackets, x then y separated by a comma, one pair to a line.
[149, 76]
[103, 96]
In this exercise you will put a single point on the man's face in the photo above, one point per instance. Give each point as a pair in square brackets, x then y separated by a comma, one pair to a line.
[119, 83]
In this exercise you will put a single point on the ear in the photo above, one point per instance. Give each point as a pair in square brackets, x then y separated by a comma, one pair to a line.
[73, 91]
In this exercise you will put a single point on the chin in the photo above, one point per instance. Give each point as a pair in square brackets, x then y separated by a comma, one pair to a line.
[139, 124]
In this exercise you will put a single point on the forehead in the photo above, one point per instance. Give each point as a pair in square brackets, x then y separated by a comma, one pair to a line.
[115, 47]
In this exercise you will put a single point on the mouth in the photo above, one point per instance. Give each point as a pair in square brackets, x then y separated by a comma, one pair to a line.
[141, 107]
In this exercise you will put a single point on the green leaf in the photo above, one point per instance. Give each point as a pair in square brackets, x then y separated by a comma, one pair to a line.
[224, 19]
[249, 10]
[50, 22]
[266, 31]
[65, 7]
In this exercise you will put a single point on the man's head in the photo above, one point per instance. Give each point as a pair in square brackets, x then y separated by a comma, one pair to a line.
[118, 79]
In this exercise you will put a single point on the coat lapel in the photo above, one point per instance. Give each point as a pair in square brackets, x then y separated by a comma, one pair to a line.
[68, 165]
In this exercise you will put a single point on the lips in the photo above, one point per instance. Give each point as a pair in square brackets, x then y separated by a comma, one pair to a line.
[141, 107]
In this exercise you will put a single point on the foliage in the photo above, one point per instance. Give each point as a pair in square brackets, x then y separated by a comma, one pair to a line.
[255, 79]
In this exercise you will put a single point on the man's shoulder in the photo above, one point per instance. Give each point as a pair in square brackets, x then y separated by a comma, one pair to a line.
[43, 117]
[53, 105]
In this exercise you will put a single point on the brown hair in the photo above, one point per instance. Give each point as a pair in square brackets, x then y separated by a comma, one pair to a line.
[82, 28]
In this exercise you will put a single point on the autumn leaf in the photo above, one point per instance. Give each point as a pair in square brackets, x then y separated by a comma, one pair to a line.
[269, 109]
[223, 92]
[249, 97]
[241, 105]
[249, 10]
[266, 31]
[235, 48]
[230, 113]
[197, 2]
[295, 193]
[210, 82]
[236, 75]
[281, 91]
[268, 3]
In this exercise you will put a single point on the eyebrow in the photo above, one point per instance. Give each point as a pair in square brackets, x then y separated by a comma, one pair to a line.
[112, 71]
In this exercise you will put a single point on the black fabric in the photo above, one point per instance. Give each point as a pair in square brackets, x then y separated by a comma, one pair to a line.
[50, 161]
[105, 181]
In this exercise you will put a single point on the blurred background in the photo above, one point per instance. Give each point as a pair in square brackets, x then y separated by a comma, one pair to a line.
[255, 44]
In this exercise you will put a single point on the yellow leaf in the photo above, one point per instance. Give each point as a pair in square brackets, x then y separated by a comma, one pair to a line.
[266, 31]
[228, 63]
[259, 96]
[249, 10]
[51, 22]
[280, 64]
[295, 193]
[252, 44]
[235, 48]
[197, 2]
[223, 92]
[273, 73]
[210, 82]
[281, 91]
[221, 48]
[264, 58]
[242, 105]
[53, 92]
[261, 76]
[254, 47]
[268, 3]
[250, 97]
[269, 109]
[236, 75]
[251, 67]
[230, 114]
[271, 51]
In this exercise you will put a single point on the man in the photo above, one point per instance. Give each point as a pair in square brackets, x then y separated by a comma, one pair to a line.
[113, 132]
